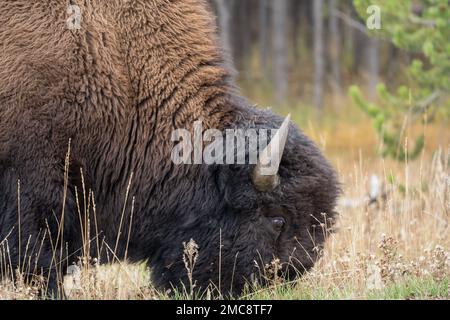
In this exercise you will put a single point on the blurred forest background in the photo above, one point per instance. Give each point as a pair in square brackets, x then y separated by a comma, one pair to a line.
[289, 49]
[318, 60]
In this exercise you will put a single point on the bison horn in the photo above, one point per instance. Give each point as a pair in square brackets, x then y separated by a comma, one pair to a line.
[265, 176]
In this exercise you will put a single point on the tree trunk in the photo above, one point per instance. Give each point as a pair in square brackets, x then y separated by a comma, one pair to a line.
[279, 41]
[335, 48]
[264, 36]
[318, 53]
[224, 17]
[373, 67]
[243, 36]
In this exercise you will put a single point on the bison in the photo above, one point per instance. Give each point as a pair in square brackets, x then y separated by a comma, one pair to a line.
[116, 86]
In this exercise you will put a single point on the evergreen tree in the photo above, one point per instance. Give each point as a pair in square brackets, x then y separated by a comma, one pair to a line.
[422, 28]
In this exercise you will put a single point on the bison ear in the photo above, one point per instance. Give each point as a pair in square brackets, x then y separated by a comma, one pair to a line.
[233, 190]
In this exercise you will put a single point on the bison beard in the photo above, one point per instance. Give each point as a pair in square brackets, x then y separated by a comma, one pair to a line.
[117, 88]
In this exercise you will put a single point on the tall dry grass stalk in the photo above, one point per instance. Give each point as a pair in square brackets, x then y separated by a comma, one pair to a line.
[85, 278]
[404, 233]
[190, 256]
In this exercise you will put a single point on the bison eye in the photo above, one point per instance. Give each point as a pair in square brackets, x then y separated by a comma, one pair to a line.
[278, 223]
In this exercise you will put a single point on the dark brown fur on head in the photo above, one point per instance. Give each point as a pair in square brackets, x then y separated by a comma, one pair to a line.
[117, 88]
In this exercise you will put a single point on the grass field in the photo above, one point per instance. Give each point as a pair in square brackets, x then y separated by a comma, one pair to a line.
[394, 248]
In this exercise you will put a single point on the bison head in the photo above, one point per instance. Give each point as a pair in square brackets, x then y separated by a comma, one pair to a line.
[251, 225]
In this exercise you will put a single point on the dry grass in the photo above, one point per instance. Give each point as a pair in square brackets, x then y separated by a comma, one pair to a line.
[396, 247]
[401, 238]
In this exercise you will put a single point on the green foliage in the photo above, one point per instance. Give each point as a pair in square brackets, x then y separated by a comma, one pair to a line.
[413, 288]
[389, 120]
[422, 28]
[407, 288]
